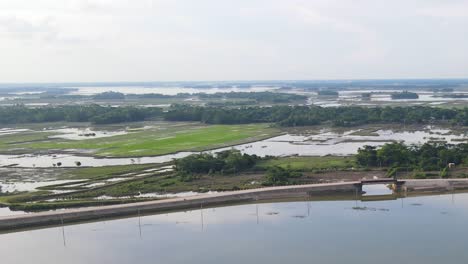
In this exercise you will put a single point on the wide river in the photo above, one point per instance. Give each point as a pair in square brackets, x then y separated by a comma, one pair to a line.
[430, 229]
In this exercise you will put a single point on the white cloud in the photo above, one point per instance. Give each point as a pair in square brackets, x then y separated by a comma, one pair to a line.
[447, 9]
[91, 40]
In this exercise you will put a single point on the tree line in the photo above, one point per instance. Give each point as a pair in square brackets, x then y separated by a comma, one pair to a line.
[290, 116]
[260, 97]
[74, 113]
[266, 97]
[427, 157]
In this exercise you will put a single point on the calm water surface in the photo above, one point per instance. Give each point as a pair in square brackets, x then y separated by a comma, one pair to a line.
[431, 229]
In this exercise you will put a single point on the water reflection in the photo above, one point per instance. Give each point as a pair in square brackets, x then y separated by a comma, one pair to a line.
[428, 229]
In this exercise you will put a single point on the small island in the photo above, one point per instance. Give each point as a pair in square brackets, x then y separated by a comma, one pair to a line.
[456, 96]
[328, 93]
[443, 90]
[405, 95]
[366, 96]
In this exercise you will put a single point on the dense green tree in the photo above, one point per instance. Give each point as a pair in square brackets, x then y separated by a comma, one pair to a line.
[76, 113]
[226, 162]
[429, 156]
[277, 175]
[367, 156]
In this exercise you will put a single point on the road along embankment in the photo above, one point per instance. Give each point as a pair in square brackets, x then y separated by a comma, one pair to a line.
[11, 223]
[430, 185]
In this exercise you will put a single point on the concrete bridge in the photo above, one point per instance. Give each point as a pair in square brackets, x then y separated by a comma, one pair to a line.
[396, 184]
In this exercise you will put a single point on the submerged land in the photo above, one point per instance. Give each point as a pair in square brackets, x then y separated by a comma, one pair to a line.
[62, 149]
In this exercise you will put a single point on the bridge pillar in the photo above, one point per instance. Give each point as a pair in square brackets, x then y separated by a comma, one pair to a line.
[358, 187]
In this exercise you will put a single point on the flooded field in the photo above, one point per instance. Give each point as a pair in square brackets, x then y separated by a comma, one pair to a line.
[25, 186]
[346, 95]
[84, 133]
[383, 97]
[48, 160]
[319, 143]
[257, 233]
[329, 142]
[164, 90]
[9, 131]
[27, 179]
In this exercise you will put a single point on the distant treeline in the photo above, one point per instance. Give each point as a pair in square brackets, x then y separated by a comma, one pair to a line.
[268, 97]
[327, 93]
[428, 157]
[258, 96]
[314, 115]
[89, 113]
[288, 116]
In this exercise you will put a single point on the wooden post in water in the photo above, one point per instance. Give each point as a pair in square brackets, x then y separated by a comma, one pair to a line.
[63, 232]
[356, 196]
[256, 212]
[139, 221]
[256, 209]
[201, 214]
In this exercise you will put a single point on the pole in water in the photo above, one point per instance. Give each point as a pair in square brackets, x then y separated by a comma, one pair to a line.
[63, 232]
[139, 221]
[355, 192]
[201, 214]
[256, 212]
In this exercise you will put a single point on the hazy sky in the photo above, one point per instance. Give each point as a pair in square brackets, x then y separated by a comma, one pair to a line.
[162, 40]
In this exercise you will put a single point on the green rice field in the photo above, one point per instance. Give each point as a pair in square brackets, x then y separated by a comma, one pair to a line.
[148, 142]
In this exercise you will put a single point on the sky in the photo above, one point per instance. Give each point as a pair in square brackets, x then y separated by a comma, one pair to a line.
[191, 40]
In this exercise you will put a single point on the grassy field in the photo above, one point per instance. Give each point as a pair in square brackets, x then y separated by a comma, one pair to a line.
[18, 140]
[155, 141]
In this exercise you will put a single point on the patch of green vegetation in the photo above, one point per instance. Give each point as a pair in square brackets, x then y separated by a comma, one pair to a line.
[18, 139]
[106, 171]
[310, 163]
[277, 175]
[368, 132]
[43, 206]
[8, 199]
[163, 141]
